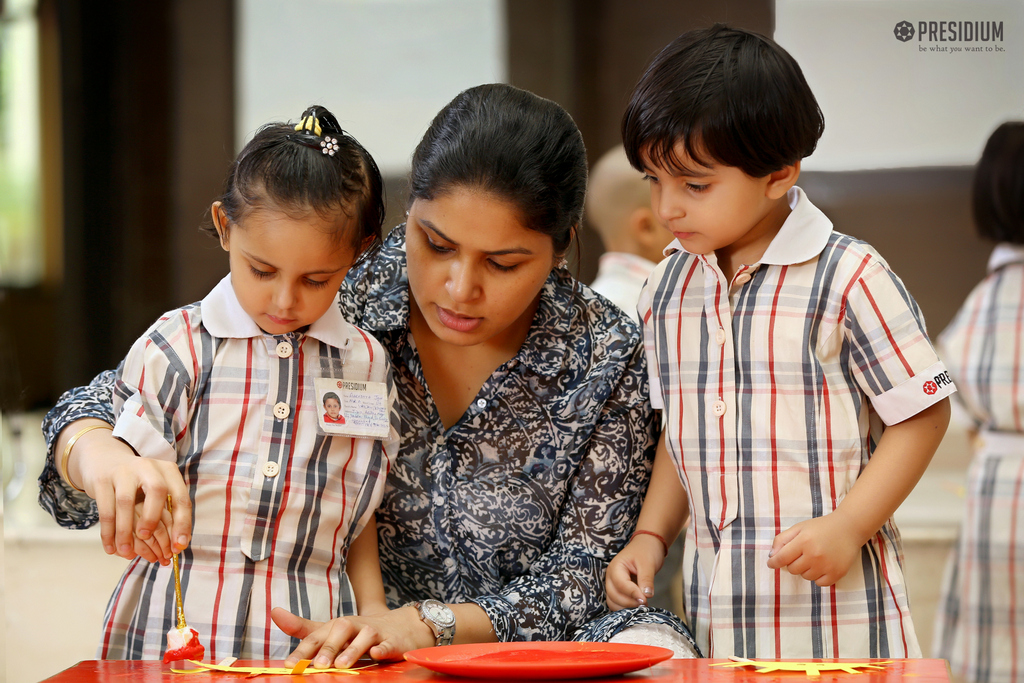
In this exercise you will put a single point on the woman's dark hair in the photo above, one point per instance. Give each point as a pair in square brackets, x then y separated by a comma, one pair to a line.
[329, 395]
[730, 96]
[998, 196]
[522, 148]
[313, 166]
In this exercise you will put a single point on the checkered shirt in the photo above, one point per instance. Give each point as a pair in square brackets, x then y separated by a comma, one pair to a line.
[775, 388]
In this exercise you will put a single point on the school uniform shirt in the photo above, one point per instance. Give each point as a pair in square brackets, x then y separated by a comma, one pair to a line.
[980, 616]
[775, 386]
[519, 506]
[620, 278]
[276, 504]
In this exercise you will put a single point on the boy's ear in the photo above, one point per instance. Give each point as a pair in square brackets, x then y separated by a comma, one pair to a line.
[220, 222]
[782, 181]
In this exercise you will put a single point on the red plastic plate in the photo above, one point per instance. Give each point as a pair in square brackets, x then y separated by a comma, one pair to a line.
[551, 660]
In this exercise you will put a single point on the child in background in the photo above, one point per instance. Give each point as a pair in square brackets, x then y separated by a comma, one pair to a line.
[225, 389]
[980, 619]
[802, 396]
[619, 209]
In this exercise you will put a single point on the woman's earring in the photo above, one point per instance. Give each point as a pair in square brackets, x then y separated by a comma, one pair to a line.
[561, 262]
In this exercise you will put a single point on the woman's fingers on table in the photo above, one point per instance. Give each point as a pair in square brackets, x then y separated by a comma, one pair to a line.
[366, 638]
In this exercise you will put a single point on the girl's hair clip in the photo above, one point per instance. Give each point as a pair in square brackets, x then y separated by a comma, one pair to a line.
[318, 129]
[329, 145]
[309, 122]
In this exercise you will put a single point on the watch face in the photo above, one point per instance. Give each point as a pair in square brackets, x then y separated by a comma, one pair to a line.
[439, 613]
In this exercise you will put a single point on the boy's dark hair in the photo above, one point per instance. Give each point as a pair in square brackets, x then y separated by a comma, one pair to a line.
[329, 395]
[729, 96]
[289, 169]
[998, 193]
[522, 148]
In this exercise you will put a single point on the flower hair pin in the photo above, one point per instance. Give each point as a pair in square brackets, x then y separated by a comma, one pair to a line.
[329, 145]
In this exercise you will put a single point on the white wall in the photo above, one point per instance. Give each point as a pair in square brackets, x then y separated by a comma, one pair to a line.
[891, 104]
[383, 67]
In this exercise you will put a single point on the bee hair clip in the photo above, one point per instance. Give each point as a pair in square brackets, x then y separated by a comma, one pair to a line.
[317, 130]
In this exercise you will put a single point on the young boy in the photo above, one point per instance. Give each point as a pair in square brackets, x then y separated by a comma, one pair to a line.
[802, 397]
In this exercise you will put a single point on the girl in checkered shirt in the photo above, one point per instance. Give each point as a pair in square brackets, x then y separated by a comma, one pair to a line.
[271, 505]
[980, 627]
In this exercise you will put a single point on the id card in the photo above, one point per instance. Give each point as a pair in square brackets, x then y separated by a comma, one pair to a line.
[352, 407]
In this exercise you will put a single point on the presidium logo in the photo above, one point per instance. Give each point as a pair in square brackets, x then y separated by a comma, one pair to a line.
[969, 36]
[904, 31]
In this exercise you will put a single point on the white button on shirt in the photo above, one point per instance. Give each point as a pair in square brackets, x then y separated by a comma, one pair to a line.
[720, 335]
[481, 403]
[281, 410]
[271, 469]
[718, 408]
[742, 279]
[284, 350]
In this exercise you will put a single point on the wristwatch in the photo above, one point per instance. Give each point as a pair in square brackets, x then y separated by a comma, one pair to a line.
[440, 618]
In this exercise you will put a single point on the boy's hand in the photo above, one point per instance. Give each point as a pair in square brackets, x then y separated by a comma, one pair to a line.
[821, 550]
[629, 580]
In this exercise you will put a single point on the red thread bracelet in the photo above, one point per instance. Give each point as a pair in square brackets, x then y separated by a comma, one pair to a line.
[661, 538]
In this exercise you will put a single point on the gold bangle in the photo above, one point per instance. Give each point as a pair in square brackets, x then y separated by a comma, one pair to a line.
[67, 453]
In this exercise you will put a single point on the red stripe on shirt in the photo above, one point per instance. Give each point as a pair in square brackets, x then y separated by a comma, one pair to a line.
[225, 534]
[773, 440]
[888, 332]
[888, 584]
[369, 346]
[341, 524]
[721, 418]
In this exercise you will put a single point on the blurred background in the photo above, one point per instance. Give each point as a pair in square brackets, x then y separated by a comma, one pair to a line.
[118, 120]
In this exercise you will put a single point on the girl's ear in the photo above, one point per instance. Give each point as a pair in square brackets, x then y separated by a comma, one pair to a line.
[782, 181]
[220, 222]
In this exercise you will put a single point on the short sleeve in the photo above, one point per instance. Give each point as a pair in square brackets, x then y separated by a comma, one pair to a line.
[892, 359]
[151, 395]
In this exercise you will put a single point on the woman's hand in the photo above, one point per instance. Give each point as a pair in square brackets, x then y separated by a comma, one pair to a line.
[130, 494]
[340, 642]
[821, 550]
[630, 577]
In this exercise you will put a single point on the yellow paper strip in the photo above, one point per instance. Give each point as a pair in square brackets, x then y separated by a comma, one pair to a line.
[812, 669]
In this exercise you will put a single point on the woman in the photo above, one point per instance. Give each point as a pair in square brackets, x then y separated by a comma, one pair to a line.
[527, 435]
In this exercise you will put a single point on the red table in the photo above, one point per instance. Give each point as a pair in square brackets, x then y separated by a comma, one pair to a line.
[672, 671]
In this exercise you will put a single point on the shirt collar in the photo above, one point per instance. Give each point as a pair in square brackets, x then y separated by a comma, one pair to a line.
[802, 236]
[1004, 254]
[225, 318]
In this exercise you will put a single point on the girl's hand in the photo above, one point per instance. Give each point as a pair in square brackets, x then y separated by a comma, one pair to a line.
[629, 580]
[131, 497]
[340, 642]
[821, 550]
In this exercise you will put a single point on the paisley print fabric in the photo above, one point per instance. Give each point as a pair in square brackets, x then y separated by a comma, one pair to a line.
[520, 506]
